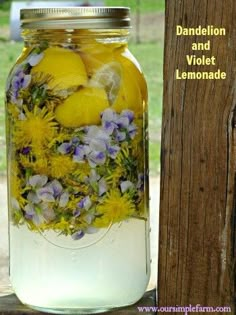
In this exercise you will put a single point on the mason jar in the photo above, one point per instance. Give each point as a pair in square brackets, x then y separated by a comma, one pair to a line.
[76, 108]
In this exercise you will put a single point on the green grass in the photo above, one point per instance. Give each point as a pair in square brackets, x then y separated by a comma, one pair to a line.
[149, 56]
[5, 5]
[145, 5]
[4, 18]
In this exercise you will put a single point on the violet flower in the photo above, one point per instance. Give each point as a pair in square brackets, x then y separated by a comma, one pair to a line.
[65, 148]
[20, 81]
[34, 59]
[77, 235]
[126, 185]
[33, 215]
[85, 203]
[97, 182]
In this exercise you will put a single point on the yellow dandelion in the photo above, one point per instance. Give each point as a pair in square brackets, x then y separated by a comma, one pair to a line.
[38, 165]
[37, 130]
[13, 110]
[63, 225]
[115, 208]
[61, 165]
[82, 170]
[114, 175]
[77, 186]
[16, 185]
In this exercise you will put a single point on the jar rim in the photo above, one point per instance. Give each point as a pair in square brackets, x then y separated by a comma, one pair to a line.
[76, 18]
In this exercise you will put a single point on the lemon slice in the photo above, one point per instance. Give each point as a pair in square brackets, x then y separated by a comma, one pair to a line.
[108, 77]
[132, 65]
[95, 54]
[64, 66]
[82, 108]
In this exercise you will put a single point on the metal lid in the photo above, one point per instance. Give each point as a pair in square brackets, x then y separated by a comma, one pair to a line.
[76, 17]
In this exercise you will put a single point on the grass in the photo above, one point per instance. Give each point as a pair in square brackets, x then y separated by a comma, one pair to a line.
[4, 18]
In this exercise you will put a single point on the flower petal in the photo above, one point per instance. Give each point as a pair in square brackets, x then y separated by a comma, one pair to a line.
[91, 230]
[33, 198]
[45, 194]
[126, 185]
[97, 145]
[109, 115]
[26, 81]
[77, 235]
[47, 212]
[64, 199]
[89, 218]
[129, 114]
[34, 59]
[64, 148]
[113, 151]
[123, 122]
[85, 203]
[97, 158]
[38, 180]
[102, 187]
[120, 136]
[15, 204]
[56, 187]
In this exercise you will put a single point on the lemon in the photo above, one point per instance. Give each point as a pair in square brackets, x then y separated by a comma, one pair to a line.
[121, 86]
[129, 95]
[95, 54]
[95, 61]
[64, 66]
[82, 108]
[131, 64]
[108, 77]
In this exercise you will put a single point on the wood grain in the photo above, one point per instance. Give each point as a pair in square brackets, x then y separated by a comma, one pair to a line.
[198, 163]
[11, 305]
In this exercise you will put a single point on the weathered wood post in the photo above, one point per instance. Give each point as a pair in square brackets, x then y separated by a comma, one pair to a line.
[197, 248]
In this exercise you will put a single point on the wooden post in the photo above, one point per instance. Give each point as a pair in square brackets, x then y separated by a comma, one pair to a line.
[197, 247]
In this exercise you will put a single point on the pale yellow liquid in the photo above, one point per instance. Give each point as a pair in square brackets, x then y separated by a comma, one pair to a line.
[110, 273]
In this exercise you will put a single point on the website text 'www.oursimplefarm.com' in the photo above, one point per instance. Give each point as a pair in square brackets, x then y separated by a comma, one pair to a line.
[185, 309]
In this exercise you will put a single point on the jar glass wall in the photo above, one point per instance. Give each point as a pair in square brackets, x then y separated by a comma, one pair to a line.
[76, 104]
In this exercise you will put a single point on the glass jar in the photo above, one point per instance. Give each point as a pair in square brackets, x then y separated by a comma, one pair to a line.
[76, 103]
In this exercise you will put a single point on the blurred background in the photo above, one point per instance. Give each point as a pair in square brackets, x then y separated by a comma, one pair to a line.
[146, 43]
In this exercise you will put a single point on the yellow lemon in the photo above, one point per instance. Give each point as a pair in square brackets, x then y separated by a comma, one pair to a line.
[64, 66]
[108, 77]
[95, 61]
[82, 108]
[95, 55]
[129, 95]
[131, 64]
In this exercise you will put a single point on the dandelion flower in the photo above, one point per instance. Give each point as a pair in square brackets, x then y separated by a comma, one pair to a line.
[115, 208]
[16, 185]
[37, 130]
[61, 165]
[82, 170]
[38, 165]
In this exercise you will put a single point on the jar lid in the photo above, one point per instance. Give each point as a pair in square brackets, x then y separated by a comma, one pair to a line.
[76, 18]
